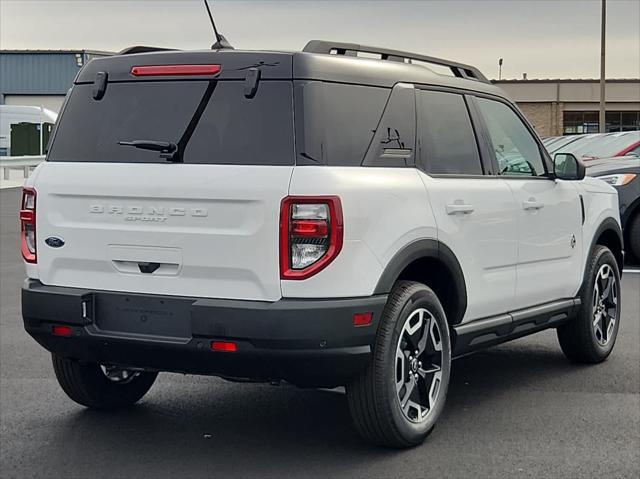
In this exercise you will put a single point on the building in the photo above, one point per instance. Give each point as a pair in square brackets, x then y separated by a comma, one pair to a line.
[40, 77]
[568, 107]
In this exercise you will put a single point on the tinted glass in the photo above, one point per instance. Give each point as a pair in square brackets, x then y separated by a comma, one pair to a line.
[394, 141]
[336, 122]
[515, 148]
[447, 140]
[231, 130]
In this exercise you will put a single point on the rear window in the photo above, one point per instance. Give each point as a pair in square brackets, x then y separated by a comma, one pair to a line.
[232, 129]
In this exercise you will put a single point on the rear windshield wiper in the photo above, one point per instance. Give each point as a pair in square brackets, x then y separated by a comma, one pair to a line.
[174, 152]
[167, 149]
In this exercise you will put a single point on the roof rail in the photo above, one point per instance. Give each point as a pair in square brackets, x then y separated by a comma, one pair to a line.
[143, 49]
[459, 70]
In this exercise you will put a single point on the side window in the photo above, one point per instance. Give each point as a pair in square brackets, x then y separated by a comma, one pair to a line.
[448, 144]
[516, 150]
[394, 140]
[335, 123]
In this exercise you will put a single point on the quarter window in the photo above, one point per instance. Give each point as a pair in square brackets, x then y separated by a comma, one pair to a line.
[516, 150]
[447, 141]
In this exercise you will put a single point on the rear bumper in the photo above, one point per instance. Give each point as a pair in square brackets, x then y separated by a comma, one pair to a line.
[306, 342]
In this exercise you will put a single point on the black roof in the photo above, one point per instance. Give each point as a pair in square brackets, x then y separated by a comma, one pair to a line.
[320, 60]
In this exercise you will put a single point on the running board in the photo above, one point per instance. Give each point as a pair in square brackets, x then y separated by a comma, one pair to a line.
[487, 332]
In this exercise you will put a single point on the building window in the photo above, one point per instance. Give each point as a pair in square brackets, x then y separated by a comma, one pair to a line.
[623, 120]
[579, 122]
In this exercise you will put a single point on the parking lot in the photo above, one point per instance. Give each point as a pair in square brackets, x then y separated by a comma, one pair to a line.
[518, 410]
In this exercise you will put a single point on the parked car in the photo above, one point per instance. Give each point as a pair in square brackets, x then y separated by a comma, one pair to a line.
[315, 217]
[624, 174]
[596, 145]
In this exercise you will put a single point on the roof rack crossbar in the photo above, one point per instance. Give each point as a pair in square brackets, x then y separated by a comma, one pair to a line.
[351, 49]
[143, 49]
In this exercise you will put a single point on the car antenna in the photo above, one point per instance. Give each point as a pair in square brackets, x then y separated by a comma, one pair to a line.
[221, 42]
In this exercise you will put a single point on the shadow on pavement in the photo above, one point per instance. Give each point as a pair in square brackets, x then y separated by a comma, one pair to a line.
[232, 428]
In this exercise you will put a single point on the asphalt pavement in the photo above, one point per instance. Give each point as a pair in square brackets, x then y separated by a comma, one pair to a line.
[517, 410]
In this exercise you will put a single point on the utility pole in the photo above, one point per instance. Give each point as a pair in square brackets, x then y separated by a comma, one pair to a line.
[602, 119]
[500, 69]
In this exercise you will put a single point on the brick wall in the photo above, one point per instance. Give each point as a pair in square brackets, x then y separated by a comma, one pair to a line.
[545, 117]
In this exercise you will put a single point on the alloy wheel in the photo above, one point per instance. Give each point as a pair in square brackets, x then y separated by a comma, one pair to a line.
[418, 371]
[605, 304]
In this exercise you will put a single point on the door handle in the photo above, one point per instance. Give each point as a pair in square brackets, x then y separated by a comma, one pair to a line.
[460, 208]
[532, 204]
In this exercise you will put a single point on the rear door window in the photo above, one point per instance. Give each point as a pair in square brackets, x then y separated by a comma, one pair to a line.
[447, 140]
[231, 129]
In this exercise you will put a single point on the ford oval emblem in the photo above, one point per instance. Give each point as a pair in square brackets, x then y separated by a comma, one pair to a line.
[54, 242]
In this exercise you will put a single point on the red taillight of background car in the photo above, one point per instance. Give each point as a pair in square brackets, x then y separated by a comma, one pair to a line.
[311, 234]
[628, 149]
[28, 225]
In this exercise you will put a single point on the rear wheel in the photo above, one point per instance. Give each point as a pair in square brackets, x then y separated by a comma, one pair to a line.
[590, 337]
[397, 400]
[98, 386]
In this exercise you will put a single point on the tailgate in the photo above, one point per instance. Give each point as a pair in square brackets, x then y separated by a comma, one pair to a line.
[208, 230]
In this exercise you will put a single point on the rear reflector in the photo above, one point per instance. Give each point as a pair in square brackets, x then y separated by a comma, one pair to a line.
[175, 70]
[226, 346]
[362, 319]
[64, 331]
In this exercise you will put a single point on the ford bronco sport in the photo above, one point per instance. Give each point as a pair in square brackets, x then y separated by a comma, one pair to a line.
[338, 216]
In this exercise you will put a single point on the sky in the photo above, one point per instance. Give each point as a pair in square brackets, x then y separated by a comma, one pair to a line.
[543, 38]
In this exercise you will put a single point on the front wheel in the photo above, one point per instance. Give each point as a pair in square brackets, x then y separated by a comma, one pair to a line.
[590, 337]
[102, 387]
[397, 400]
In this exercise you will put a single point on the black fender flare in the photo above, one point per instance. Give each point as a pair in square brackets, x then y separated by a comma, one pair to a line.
[609, 224]
[425, 248]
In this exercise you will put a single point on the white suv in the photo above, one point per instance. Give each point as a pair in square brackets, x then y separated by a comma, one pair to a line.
[318, 217]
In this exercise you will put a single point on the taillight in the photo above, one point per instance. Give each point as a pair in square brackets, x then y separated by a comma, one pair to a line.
[28, 225]
[311, 234]
[174, 70]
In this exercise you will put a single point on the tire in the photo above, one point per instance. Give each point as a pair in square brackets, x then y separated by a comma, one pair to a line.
[88, 385]
[584, 340]
[634, 236]
[375, 400]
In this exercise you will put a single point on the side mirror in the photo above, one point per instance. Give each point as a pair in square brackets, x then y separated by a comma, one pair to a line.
[567, 167]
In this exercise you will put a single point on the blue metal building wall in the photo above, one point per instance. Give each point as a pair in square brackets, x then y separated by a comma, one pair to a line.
[38, 73]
